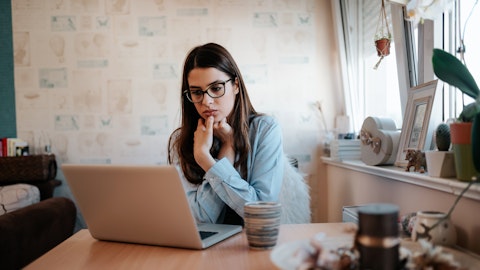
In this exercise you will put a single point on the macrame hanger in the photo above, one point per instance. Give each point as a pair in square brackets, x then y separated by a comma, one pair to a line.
[382, 26]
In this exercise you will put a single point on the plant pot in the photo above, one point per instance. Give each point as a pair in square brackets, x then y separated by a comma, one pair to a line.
[440, 163]
[442, 234]
[461, 136]
[383, 46]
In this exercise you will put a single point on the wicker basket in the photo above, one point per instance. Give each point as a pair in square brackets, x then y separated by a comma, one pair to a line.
[27, 168]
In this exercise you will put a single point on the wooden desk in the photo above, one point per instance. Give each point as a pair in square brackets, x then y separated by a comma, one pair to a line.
[81, 251]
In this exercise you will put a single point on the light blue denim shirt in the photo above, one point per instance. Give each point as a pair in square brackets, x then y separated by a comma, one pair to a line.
[223, 184]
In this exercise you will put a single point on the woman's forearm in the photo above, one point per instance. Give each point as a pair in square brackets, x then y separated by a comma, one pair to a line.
[227, 151]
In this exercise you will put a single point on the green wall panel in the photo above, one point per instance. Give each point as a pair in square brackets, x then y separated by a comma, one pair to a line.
[7, 90]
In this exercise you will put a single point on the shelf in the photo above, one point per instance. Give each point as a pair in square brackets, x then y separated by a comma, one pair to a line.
[448, 185]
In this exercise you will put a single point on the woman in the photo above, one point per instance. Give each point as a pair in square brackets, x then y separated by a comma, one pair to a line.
[228, 153]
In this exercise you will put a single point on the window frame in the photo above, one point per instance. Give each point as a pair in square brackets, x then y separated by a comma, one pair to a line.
[414, 46]
[442, 33]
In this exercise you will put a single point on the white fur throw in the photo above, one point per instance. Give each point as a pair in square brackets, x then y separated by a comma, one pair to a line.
[294, 196]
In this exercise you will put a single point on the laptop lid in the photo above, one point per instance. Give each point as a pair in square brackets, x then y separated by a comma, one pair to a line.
[143, 204]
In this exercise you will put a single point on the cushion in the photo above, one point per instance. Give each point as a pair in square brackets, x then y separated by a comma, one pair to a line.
[16, 196]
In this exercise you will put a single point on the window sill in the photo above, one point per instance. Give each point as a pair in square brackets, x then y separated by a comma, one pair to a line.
[447, 185]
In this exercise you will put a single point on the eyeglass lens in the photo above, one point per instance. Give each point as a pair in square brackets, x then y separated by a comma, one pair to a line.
[215, 91]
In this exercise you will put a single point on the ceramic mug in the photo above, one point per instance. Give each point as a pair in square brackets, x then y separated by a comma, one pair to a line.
[442, 234]
[262, 223]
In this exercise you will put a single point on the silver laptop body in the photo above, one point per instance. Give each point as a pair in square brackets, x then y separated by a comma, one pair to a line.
[143, 204]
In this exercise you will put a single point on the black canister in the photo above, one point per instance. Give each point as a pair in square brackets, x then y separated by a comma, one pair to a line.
[377, 238]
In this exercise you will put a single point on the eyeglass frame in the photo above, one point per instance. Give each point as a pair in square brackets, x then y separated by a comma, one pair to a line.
[187, 91]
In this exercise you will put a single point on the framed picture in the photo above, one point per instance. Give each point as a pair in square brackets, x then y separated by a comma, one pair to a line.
[418, 128]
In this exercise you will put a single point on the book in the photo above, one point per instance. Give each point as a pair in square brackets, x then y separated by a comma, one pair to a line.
[11, 147]
[4, 147]
[345, 143]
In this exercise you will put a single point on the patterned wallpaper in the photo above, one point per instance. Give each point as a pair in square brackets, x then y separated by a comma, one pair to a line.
[99, 79]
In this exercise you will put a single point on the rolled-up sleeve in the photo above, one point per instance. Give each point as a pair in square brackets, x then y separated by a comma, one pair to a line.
[206, 205]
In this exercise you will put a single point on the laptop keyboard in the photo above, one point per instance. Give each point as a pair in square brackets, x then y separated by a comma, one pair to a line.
[205, 234]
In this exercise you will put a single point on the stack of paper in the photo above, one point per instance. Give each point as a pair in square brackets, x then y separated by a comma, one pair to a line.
[345, 149]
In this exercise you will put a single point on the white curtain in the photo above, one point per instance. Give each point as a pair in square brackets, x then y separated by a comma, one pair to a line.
[367, 91]
[348, 23]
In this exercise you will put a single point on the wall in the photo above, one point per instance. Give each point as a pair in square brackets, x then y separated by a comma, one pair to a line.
[99, 80]
[346, 187]
[7, 93]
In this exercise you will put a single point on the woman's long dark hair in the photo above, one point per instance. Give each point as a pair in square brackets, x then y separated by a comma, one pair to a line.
[180, 145]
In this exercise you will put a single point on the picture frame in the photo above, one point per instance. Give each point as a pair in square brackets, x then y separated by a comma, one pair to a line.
[419, 123]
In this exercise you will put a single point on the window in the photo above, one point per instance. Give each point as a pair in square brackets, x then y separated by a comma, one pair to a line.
[469, 51]
[383, 92]
[381, 88]
[368, 91]
[454, 32]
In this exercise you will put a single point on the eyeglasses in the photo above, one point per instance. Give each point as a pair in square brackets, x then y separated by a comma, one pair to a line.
[215, 90]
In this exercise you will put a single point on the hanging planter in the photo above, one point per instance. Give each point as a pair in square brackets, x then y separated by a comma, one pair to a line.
[382, 35]
[383, 46]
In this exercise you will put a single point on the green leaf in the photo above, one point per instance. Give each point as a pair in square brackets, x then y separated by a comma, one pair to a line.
[450, 70]
[476, 142]
[469, 112]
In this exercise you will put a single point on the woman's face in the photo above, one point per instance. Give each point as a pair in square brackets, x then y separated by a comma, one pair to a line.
[203, 78]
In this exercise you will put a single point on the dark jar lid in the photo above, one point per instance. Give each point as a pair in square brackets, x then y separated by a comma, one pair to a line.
[378, 220]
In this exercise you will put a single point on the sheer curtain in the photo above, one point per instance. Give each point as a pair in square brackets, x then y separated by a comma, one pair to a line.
[367, 91]
[347, 16]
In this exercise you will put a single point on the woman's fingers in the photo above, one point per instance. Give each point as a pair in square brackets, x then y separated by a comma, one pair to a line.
[223, 130]
[200, 125]
[202, 142]
[209, 123]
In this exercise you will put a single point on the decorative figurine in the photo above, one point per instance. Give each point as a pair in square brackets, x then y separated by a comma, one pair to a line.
[416, 159]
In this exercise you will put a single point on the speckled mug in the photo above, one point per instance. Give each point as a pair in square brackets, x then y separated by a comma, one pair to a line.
[262, 223]
[443, 234]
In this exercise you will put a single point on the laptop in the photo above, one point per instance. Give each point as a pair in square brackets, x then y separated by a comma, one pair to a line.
[142, 204]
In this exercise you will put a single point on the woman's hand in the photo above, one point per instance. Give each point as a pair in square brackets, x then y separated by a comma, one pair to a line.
[224, 132]
[202, 142]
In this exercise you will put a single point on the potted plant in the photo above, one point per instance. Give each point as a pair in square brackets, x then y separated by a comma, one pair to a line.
[467, 148]
[382, 36]
[441, 162]
[382, 43]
